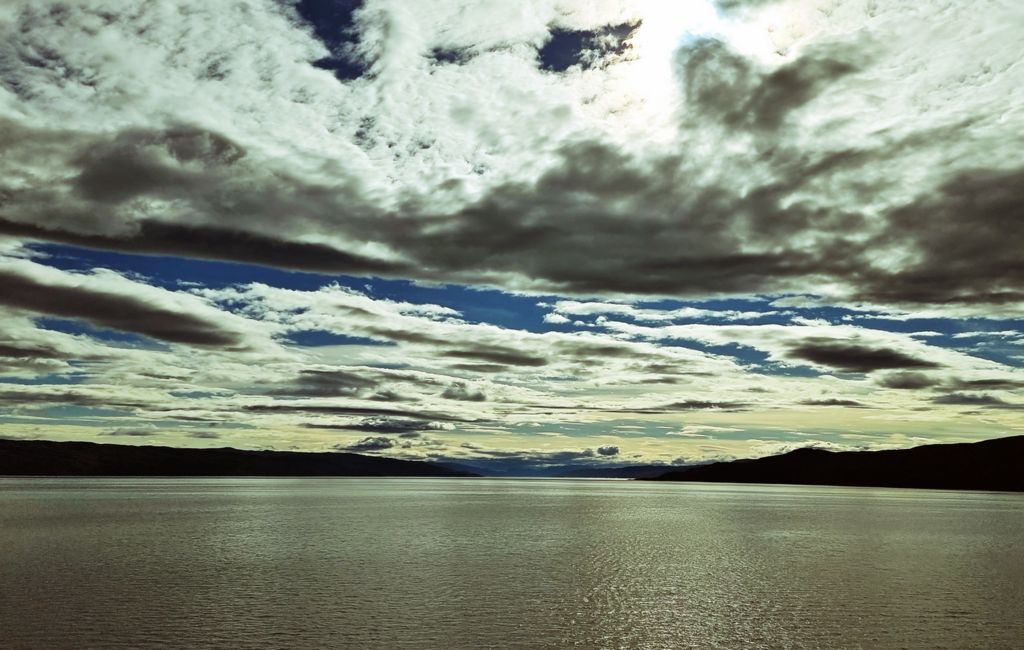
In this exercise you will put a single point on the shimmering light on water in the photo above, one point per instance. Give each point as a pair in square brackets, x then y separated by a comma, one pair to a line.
[420, 563]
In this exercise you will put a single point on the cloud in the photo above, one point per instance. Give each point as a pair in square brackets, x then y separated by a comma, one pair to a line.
[17, 352]
[969, 399]
[314, 382]
[204, 435]
[701, 431]
[703, 405]
[609, 450]
[834, 402]
[498, 356]
[133, 432]
[908, 381]
[333, 409]
[726, 86]
[958, 260]
[856, 358]
[106, 299]
[93, 397]
[735, 5]
[556, 319]
[577, 308]
[988, 384]
[388, 425]
[215, 243]
[370, 443]
[577, 182]
[463, 393]
[697, 197]
[479, 367]
[917, 381]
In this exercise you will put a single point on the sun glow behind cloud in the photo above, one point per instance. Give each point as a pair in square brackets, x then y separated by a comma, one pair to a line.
[767, 36]
[650, 75]
[667, 25]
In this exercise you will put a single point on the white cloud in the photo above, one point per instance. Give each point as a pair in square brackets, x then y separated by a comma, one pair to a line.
[556, 319]
[701, 431]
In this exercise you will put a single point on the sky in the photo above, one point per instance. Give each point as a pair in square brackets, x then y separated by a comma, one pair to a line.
[512, 235]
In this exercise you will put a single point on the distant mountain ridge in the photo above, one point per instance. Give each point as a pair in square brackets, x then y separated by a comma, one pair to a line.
[996, 465]
[47, 458]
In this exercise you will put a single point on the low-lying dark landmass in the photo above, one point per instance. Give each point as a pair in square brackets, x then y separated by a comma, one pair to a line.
[989, 465]
[524, 469]
[46, 458]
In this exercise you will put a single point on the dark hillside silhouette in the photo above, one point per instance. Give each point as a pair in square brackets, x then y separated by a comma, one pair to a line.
[45, 458]
[988, 465]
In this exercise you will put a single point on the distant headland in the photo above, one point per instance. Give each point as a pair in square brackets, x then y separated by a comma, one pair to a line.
[46, 458]
[988, 465]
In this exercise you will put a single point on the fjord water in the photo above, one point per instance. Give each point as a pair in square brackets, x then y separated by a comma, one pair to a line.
[476, 563]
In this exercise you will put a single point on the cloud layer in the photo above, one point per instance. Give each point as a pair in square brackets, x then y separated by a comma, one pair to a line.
[700, 224]
[766, 168]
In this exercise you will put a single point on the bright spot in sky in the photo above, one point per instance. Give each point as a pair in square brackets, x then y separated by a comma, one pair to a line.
[768, 36]
[666, 26]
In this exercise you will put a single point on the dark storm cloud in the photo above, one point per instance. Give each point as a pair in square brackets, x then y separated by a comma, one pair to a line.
[610, 234]
[327, 383]
[19, 352]
[967, 238]
[403, 427]
[592, 247]
[598, 223]
[659, 380]
[67, 397]
[498, 356]
[140, 161]
[118, 311]
[212, 242]
[604, 200]
[727, 87]
[610, 450]
[201, 171]
[909, 381]
[396, 334]
[918, 381]
[850, 357]
[987, 384]
[587, 349]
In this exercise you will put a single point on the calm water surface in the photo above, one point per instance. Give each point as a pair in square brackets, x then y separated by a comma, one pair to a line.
[477, 563]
